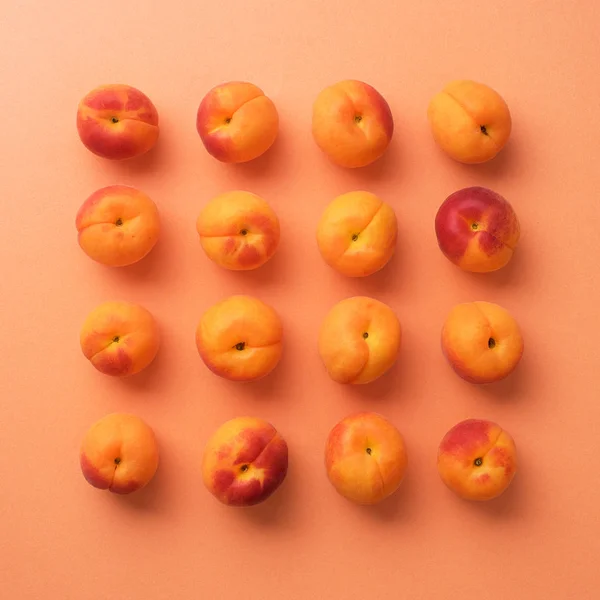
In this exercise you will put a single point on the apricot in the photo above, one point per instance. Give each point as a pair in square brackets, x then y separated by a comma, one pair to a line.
[119, 338]
[477, 229]
[359, 340]
[244, 462]
[357, 234]
[469, 121]
[365, 458]
[477, 460]
[117, 225]
[117, 122]
[352, 123]
[238, 231]
[240, 338]
[237, 122]
[482, 342]
[119, 453]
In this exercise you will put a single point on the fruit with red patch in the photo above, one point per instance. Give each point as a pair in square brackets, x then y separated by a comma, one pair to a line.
[244, 462]
[238, 231]
[119, 338]
[117, 225]
[477, 459]
[119, 453]
[117, 122]
[237, 122]
[477, 229]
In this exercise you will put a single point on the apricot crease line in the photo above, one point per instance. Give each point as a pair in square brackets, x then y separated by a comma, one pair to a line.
[471, 116]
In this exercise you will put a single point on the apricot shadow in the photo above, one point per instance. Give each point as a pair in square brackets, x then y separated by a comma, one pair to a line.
[147, 268]
[151, 498]
[147, 378]
[384, 389]
[275, 510]
[137, 165]
[498, 167]
[270, 388]
[514, 385]
[272, 272]
[392, 508]
[260, 167]
[512, 503]
[387, 279]
[511, 274]
[383, 169]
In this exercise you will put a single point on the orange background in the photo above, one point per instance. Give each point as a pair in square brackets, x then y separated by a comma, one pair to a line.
[62, 539]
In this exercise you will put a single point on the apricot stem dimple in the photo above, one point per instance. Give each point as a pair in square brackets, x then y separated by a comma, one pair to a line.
[365, 335]
[478, 461]
[491, 343]
[116, 339]
[483, 129]
[244, 232]
[355, 237]
[357, 119]
[114, 120]
[474, 226]
[244, 468]
[240, 346]
[119, 222]
[117, 461]
[227, 120]
[369, 451]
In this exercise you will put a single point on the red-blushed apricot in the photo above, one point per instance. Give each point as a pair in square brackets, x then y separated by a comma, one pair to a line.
[477, 459]
[237, 122]
[359, 340]
[119, 338]
[238, 231]
[119, 453]
[477, 229]
[469, 121]
[117, 225]
[117, 122]
[244, 462]
[240, 338]
[482, 342]
[365, 458]
[357, 234]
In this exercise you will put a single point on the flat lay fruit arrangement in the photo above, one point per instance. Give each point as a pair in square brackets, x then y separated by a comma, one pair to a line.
[241, 338]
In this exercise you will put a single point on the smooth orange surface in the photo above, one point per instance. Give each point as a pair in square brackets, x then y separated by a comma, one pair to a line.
[365, 458]
[117, 225]
[119, 338]
[119, 453]
[357, 234]
[238, 230]
[470, 121]
[482, 341]
[352, 123]
[359, 340]
[477, 459]
[240, 338]
[244, 462]
[61, 539]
